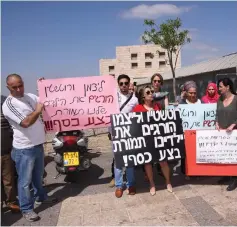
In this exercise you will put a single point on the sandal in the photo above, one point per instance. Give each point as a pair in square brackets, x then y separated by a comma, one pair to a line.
[169, 188]
[152, 191]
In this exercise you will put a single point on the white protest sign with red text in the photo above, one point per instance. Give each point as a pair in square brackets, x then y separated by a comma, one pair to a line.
[78, 103]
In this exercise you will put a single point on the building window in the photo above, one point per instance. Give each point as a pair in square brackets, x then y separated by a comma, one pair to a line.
[162, 64]
[133, 56]
[111, 68]
[134, 65]
[148, 64]
[161, 54]
[148, 55]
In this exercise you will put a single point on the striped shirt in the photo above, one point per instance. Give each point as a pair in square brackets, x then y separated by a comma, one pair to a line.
[15, 110]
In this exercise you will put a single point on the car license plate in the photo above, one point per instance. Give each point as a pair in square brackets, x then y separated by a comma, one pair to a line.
[71, 159]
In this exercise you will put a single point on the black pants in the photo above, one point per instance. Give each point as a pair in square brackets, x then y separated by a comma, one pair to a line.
[112, 169]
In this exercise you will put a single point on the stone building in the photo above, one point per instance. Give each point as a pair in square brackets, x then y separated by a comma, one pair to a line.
[138, 62]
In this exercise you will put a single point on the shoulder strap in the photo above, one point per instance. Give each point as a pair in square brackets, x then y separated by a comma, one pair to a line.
[126, 102]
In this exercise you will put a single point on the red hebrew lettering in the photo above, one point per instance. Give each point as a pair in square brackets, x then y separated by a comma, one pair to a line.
[59, 124]
[77, 121]
[108, 120]
[89, 121]
[57, 113]
[101, 121]
[48, 125]
[209, 123]
[66, 122]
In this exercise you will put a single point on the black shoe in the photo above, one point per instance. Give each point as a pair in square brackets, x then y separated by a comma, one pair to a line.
[232, 186]
[223, 180]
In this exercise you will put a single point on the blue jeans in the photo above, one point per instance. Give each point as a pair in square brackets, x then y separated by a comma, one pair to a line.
[119, 177]
[30, 170]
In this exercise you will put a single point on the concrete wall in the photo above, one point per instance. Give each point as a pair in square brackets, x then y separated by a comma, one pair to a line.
[123, 62]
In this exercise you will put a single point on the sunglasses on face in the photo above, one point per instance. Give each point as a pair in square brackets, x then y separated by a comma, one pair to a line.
[149, 92]
[123, 83]
[156, 81]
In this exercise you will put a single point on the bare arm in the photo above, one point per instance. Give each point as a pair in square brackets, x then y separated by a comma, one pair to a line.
[166, 102]
[32, 118]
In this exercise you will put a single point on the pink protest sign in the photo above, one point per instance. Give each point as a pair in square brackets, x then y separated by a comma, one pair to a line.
[78, 103]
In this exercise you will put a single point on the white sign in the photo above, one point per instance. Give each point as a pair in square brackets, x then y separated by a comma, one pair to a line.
[214, 146]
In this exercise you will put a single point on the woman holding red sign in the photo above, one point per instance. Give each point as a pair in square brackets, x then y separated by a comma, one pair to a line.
[145, 98]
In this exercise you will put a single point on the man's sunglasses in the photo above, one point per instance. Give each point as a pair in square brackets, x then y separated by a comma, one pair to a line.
[149, 92]
[123, 83]
[157, 81]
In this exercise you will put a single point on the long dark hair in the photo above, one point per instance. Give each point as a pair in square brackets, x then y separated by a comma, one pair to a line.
[141, 94]
[227, 82]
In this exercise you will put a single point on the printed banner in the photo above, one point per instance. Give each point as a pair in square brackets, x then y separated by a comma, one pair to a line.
[78, 103]
[140, 138]
[214, 146]
[197, 116]
[192, 168]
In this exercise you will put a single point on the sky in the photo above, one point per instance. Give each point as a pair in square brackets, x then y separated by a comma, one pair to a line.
[67, 39]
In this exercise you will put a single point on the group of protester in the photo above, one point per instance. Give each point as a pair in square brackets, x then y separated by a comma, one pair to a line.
[152, 98]
[23, 136]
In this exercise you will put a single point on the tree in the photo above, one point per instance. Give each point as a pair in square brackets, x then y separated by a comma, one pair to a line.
[169, 36]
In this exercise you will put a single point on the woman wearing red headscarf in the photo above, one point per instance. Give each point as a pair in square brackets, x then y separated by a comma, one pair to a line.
[211, 94]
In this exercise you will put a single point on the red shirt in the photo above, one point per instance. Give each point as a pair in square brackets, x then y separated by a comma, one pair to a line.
[141, 108]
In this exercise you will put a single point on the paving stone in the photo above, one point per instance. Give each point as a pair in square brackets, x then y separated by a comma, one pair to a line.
[202, 212]
[72, 204]
[182, 194]
[115, 217]
[92, 219]
[132, 200]
[206, 189]
[161, 195]
[152, 211]
[228, 211]
[69, 221]
[182, 187]
[218, 198]
[149, 222]
[142, 213]
[178, 219]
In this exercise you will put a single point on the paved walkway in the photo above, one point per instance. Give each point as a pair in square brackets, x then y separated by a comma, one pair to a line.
[89, 201]
[203, 205]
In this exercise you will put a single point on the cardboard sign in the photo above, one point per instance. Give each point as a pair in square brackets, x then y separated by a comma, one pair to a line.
[215, 146]
[78, 103]
[207, 169]
[197, 116]
[140, 138]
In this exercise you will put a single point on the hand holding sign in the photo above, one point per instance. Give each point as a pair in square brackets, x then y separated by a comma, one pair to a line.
[78, 103]
[140, 138]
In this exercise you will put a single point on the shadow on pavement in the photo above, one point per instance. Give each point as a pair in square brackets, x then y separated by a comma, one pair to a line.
[62, 190]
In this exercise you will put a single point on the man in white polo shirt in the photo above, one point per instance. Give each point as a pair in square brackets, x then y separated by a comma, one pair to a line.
[22, 110]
